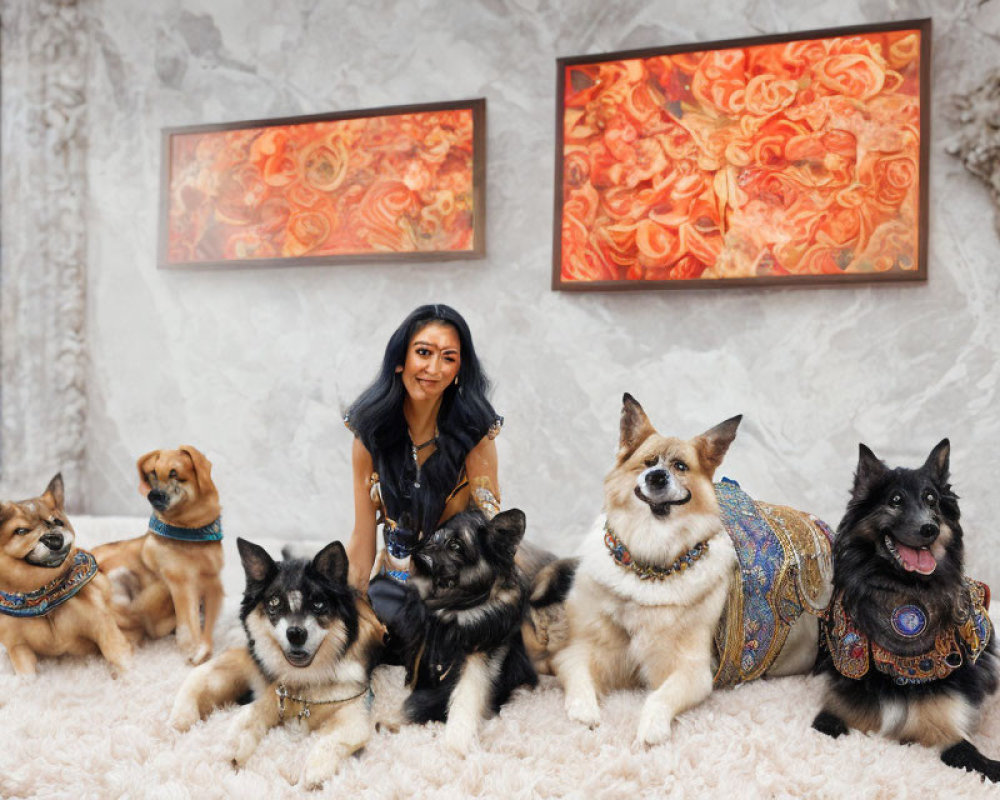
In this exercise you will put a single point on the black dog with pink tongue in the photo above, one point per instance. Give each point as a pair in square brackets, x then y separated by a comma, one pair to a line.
[909, 645]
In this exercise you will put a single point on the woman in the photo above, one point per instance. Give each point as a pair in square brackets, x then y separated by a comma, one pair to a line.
[423, 447]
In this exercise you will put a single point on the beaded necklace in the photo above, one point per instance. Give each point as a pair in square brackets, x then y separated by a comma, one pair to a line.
[646, 572]
[41, 601]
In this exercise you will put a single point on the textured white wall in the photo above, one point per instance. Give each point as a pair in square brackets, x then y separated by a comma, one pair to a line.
[255, 366]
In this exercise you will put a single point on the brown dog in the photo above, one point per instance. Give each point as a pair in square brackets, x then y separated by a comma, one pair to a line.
[169, 578]
[53, 600]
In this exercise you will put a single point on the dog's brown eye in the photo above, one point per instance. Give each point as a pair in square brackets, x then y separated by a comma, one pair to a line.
[173, 474]
[273, 602]
[454, 546]
[931, 498]
[680, 466]
[22, 531]
[318, 606]
[896, 499]
[58, 522]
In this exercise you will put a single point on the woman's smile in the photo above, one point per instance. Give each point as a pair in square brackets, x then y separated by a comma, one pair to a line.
[433, 360]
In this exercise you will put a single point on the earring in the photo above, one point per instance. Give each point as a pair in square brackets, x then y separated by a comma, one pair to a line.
[456, 380]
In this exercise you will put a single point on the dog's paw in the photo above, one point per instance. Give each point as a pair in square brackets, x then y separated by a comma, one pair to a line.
[586, 712]
[201, 655]
[653, 729]
[830, 724]
[242, 747]
[122, 666]
[390, 720]
[459, 739]
[319, 768]
[183, 715]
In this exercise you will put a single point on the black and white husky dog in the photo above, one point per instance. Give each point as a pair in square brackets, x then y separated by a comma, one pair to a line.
[910, 645]
[464, 651]
[312, 642]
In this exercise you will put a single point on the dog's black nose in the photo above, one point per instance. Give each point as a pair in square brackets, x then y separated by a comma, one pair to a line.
[158, 499]
[53, 541]
[297, 635]
[929, 532]
[657, 478]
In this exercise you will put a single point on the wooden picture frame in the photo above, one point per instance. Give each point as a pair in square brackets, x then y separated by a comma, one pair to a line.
[789, 160]
[400, 183]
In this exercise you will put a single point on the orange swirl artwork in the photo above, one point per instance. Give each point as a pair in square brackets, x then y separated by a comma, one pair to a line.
[786, 160]
[380, 185]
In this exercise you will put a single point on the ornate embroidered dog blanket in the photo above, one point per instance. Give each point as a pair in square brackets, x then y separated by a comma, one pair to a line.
[41, 601]
[785, 567]
[853, 652]
[207, 533]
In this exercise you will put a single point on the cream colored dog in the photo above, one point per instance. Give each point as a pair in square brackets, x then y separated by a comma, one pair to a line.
[169, 578]
[651, 584]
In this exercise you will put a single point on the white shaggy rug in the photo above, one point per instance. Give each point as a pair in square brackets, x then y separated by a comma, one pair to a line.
[76, 732]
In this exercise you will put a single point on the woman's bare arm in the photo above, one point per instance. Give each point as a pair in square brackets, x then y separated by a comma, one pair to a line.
[481, 470]
[361, 547]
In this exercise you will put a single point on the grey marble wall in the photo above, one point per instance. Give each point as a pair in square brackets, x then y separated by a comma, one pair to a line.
[255, 366]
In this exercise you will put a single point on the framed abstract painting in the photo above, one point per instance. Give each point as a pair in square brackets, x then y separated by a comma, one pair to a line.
[400, 183]
[792, 160]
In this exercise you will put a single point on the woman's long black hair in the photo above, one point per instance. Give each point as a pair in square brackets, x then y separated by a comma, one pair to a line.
[465, 416]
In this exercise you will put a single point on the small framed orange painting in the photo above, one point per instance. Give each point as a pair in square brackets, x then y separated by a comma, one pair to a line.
[400, 183]
[792, 160]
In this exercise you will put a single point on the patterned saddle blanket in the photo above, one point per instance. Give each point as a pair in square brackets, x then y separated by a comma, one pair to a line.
[785, 567]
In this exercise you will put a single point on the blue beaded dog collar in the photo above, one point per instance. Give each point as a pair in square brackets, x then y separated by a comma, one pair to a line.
[41, 601]
[206, 533]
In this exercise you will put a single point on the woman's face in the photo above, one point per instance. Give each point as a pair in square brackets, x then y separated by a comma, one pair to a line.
[433, 358]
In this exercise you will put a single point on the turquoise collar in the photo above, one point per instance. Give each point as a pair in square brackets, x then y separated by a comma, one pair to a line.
[41, 601]
[207, 533]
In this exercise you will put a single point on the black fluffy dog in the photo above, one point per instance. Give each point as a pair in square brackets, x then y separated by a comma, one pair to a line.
[910, 645]
[462, 618]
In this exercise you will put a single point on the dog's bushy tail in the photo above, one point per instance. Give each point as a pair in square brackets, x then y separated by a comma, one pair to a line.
[553, 582]
[546, 627]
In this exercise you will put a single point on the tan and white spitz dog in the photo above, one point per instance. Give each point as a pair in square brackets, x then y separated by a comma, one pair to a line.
[651, 583]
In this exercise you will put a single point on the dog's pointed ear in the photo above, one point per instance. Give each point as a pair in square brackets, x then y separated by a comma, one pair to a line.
[143, 466]
[714, 443]
[54, 494]
[870, 468]
[938, 461]
[257, 564]
[635, 427]
[202, 468]
[507, 530]
[331, 563]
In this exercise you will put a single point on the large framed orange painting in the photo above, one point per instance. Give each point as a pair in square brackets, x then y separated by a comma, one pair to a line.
[793, 160]
[399, 183]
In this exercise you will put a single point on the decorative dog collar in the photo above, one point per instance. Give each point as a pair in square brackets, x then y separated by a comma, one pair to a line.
[206, 533]
[283, 697]
[41, 601]
[649, 572]
[853, 652]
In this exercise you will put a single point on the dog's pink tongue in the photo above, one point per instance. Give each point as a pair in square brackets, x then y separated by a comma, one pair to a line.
[916, 560]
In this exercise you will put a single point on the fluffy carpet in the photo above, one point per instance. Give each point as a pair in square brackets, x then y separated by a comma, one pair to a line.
[77, 732]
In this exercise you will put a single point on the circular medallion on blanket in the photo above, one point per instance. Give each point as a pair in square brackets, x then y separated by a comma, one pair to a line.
[909, 620]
